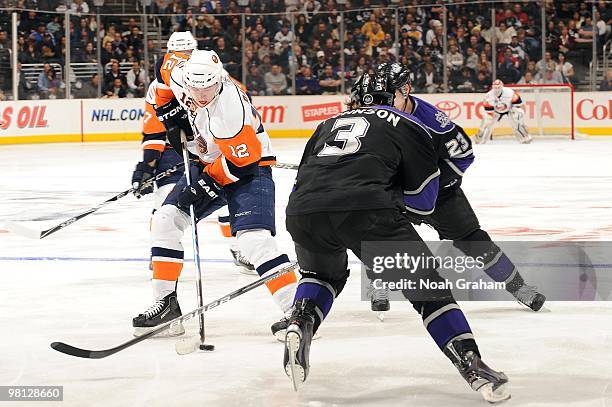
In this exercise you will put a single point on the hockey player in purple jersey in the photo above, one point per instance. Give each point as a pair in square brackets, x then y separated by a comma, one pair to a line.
[453, 217]
[371, 165]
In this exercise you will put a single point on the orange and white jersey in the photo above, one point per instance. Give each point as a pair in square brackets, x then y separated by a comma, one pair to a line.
[502, 103]
[228, 132]
[153, 131]
[163, 70]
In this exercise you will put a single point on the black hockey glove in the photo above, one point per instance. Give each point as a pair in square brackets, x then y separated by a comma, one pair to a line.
[142, 172]
[172, 115]
[203, 190]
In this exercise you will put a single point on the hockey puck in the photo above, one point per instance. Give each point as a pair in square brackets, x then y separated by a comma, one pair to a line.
[207, 347]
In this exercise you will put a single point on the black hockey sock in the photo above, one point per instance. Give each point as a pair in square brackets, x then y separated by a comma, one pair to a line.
[497, 265]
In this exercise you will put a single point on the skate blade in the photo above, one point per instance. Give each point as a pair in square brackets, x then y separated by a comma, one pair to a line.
[498, 395]
[176, 330]
[280, 335]
[381, 316]
[247, 272]
[186, 346]
[293, 369]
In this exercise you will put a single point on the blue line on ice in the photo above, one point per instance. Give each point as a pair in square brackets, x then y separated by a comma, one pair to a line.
[136, 259]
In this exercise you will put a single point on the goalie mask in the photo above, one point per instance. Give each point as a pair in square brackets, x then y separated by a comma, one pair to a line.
[498, 87]
[203, 75]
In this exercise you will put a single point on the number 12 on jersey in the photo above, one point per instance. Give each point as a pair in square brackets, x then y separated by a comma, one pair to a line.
[356, 127]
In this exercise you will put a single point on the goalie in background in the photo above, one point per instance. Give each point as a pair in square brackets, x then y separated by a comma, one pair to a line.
[501, 101]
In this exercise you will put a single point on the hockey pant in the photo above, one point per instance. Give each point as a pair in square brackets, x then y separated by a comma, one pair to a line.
[251, 216]
[321, 243]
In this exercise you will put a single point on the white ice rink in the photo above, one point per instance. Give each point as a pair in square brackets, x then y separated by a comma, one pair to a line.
[85, 283]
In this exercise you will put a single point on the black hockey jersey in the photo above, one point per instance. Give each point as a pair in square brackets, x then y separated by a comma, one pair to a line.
[453, 147]
[367, 158]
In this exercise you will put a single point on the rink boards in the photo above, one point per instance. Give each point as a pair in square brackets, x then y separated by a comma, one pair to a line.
[77, 120]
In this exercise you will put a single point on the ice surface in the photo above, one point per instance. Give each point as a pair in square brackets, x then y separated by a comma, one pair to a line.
[83, 285]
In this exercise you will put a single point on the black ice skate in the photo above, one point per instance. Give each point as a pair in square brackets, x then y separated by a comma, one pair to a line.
[279, 329]
[162, 311]
[245, 266]
[492, 385]
[297, 342]
[529, 297]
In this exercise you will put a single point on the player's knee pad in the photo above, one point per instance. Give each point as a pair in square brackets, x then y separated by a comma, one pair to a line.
[160, 195]
[257, 245]
[167, 227]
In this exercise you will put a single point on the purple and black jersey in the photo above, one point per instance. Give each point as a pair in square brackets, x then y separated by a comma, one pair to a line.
[362, 159]
[453, 147]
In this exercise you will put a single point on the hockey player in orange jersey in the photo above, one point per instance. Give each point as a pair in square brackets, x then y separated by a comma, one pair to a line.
[236, 157]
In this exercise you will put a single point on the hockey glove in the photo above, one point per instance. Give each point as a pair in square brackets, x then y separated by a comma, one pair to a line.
[142, 173]
[203, 190]
[172, 115]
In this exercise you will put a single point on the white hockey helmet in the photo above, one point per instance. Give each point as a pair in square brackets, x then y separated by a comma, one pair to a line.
[203, 73]
[182, 41]
[498, 87]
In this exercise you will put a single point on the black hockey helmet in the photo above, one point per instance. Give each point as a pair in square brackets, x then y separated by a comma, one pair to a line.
[370, 90]
[395, 77]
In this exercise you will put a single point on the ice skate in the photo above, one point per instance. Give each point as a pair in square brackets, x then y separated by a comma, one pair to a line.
[162, 311]
[245, 266]
[297, 342]
[529, 297]
[279, 329]
[492, 385]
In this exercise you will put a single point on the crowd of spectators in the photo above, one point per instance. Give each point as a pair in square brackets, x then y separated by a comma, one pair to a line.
[286, 39]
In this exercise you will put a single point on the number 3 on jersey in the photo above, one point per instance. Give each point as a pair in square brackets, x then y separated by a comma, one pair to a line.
[350, 129]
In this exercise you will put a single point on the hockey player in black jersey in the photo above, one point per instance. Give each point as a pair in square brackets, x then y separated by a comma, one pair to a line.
[371, 165]
[453, 218]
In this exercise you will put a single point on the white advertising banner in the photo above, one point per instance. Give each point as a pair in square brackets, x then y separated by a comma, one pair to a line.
[283, 116]
[40, 120]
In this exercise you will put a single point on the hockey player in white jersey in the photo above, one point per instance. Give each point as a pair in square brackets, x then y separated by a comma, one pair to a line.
[235, 169]
[502, 101]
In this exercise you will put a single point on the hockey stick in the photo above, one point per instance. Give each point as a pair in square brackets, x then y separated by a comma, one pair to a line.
[99, 354]
[287, 166]
[36, 234]
[196, 253]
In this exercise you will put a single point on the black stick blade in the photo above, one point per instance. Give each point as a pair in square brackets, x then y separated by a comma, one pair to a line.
[79, 353]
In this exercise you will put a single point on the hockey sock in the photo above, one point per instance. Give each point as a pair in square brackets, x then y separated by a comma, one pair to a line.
[282, 288]
[321, 293]
[224, 225]
[167, 267]
[260, 249]
[446, 323]
[496, 264]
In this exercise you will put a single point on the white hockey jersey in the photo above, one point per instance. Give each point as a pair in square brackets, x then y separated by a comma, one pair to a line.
[503, 103]
[228, 132]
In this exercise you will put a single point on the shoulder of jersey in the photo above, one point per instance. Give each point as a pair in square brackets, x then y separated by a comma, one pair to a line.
[432, 117]
[404, 118]
[150, 96]
[232, 112]
[176, 76]
[508, 91]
